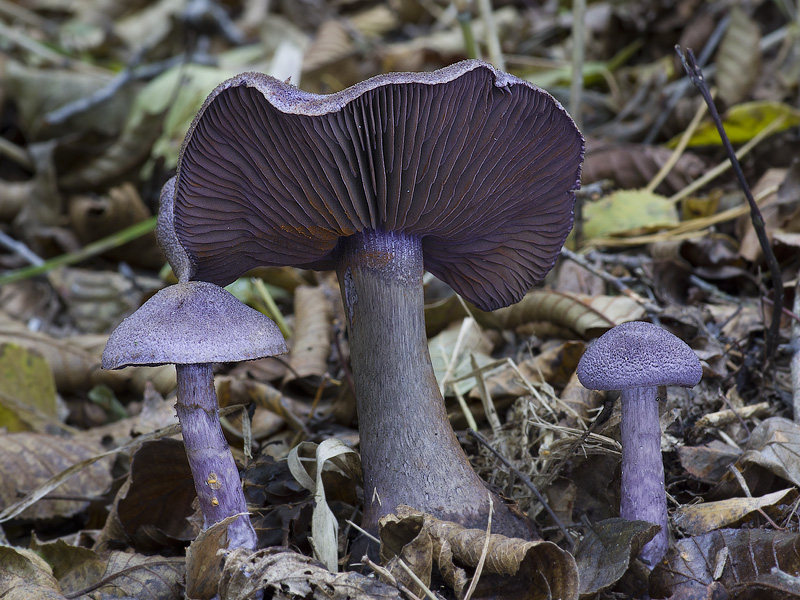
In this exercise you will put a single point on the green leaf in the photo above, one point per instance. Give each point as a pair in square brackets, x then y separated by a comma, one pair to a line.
[743, 122]
[27, 389]
[628, 211]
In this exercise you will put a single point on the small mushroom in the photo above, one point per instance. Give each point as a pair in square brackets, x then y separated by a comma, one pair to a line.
[636, 358]
[467, 172]
[192, 325]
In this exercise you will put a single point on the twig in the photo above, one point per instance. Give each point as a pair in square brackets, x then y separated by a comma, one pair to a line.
[528, 483]
[20, 249]
[773, 333]
[795, 360]
[464, 16]
[484, 551]
[490, 32]
[681, 89]
[576, 96]
[725, 165]
[17, 154]
[615, 281]
[676, 154]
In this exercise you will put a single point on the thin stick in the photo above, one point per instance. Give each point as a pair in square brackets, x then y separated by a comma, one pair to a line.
[576, 95]
[490, 32]
[773, 333]
[107, 243]
[795, 360]
[484, 551]
[528, 483]
[676, 154]
[725, 165]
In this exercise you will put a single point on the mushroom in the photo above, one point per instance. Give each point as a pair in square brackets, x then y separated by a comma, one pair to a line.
[466, 171]
[193, 324]
[636, 358]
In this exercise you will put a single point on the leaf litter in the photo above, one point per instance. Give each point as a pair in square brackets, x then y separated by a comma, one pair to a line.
[97, 99]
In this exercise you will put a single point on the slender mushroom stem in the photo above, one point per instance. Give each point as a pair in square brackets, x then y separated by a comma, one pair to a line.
[409, 451]
[643, 493]
[214, 471]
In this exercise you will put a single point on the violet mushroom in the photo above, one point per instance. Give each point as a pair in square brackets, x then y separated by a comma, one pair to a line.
[636, 358]
[193, 324]
[466, 171]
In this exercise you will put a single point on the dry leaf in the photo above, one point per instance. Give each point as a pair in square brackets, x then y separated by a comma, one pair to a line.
[311, 343]
[695, 519]
[286, 575]
[738, 58]
[606, 550]
[775, 445]
[324, 526]
[29, 459]
[27, 390]
[25, 575]
[514, 568]
[742, 563]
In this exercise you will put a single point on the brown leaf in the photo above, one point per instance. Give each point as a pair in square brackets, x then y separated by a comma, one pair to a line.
[204, 562]
[604, 553]
[738, 58]
[311, 343]
[587, 316]
[153, 508]
[24, 575]
[514, 568]
[93, 217]
[632, 166]
[141, 577]
[286, 575]
[29, 459]
[695, 519]
[775, 445]
[708, 463]
[755, 560]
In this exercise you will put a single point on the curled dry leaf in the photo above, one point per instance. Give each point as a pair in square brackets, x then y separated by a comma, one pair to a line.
[586, 316]
[604, 553]
[514, 568]
[30, 459]
[709, 462]
[311, 344]
[755, 561]
[204, 562]
[24, 574]
[695, 519]
[738, 58]
[775, 446]
[324, 526]
[286, 575]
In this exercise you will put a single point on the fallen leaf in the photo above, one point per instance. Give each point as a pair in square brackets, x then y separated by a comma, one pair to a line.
[27, 390]
[286, 575]
[514, 568]
[695, 519]
[606, 550]
[629, 212]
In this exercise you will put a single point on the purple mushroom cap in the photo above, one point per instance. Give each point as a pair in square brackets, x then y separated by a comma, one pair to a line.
[192, 323]
[478, 164]
[638, 354]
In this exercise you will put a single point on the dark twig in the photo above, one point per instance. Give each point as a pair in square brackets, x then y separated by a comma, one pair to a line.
[773, 333]
[474, 434]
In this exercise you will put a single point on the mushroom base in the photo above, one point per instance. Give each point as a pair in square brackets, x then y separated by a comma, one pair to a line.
[409, 452]
[216, 478]
[643, 494]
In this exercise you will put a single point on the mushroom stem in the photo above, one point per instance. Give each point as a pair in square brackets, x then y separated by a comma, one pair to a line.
[214, 471]
[409, 451]
[643, 492]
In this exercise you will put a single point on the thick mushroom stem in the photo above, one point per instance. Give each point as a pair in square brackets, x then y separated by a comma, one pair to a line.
[214, 471]
[410, 454]
[643, 493]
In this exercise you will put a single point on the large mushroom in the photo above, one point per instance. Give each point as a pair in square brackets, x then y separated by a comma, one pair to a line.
[467, 172]
[636, 358]
[192, 325]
